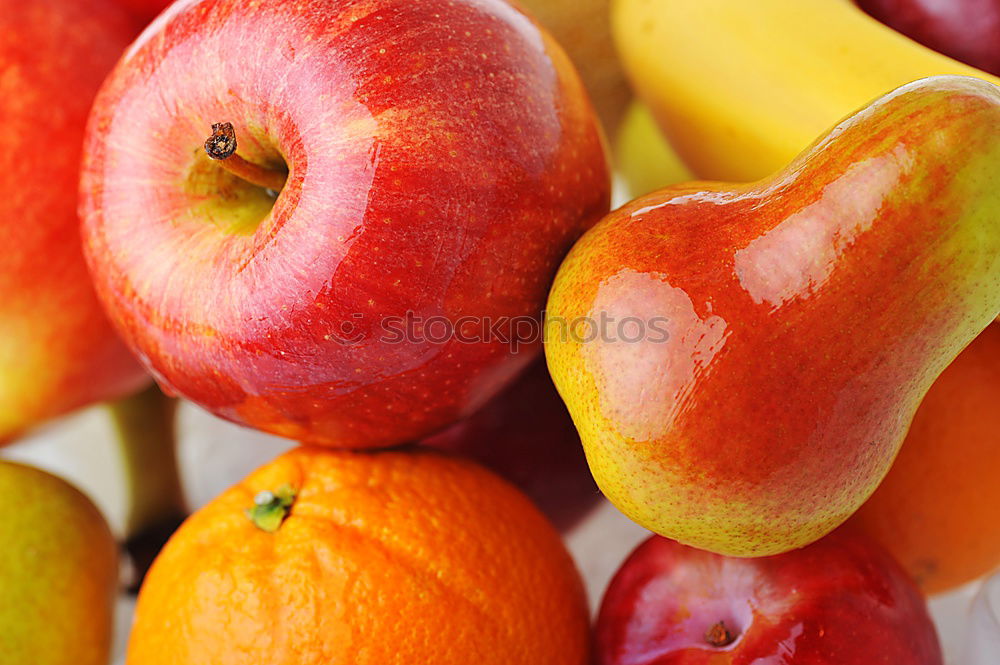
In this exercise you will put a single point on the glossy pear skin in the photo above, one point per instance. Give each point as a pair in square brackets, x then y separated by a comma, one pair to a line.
[806, 315]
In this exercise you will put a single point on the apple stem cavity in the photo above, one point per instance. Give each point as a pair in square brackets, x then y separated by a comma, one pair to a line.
[221, 146]
[719, 636]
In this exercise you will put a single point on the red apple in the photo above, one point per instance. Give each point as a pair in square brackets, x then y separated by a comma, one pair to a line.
[57, 350]
[840, 601]
[525, 434]
[442, 157]
[967, 30]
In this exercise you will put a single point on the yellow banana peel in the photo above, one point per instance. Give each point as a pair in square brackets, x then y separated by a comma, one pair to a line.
[740, 88]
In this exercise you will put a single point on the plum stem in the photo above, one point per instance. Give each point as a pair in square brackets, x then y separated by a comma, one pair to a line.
[221, 146]
[719, 636]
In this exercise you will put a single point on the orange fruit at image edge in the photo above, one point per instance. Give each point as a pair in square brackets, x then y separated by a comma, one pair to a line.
[936, 509]
[381, 558]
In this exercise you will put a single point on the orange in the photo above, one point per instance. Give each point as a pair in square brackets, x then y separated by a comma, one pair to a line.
[936, 509]
[391, 558]
[58, 572]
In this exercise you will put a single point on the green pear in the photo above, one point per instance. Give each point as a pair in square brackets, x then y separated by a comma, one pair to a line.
[58, 572]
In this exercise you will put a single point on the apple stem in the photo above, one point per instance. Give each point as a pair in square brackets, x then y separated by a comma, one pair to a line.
[221, 146]
[719, 636]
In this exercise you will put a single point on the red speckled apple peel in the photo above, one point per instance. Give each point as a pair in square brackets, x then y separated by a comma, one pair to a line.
[441, 159]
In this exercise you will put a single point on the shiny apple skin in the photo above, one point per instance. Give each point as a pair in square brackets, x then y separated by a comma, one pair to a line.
[57, 350]
[443, 158]
[525, 435]
[967, 30]
[840, 601]
[806, 315]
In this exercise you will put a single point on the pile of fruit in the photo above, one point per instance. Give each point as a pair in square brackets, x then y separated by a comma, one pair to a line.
[383, 229]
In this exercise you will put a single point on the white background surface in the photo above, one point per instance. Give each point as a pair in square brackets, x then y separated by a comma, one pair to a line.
[214, 454]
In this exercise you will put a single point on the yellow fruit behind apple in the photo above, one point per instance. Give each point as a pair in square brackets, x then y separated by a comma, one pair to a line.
[58, 572]
[644, 158]
[583, 28]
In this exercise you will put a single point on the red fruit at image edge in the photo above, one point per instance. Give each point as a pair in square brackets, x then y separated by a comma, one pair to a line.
[967, 30]
[840, 601]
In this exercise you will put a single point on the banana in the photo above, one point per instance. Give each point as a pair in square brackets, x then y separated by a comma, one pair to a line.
[740, 88]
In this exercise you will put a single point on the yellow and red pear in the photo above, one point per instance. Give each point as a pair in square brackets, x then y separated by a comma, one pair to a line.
[765, 346]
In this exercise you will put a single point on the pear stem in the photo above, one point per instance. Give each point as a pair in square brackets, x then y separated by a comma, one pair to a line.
[221, 146]
[146, 439]
[146, 434]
